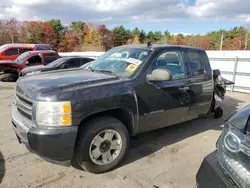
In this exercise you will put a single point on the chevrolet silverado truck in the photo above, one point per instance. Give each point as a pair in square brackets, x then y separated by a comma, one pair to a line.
[91, 113]
[229, 165]
[10, 70]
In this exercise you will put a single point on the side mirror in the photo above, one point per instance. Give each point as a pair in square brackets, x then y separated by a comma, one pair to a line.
[160, 75]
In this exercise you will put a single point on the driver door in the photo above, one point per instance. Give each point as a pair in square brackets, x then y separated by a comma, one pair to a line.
[33, 60]
[164, 103]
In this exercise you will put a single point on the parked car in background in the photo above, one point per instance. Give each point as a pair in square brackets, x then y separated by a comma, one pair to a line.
[229, 165]
[61, 63]
[90, 113]
[9, 70]
[12, 51]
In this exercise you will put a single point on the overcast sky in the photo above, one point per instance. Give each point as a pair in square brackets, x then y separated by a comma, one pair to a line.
[187, 16]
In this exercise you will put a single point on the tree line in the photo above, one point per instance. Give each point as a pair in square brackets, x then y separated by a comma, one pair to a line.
[81, 36]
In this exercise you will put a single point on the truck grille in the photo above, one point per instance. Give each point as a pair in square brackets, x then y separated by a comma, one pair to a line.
[24, 105]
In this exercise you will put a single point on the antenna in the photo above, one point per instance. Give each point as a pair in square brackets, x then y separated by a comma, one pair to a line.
[149, 44]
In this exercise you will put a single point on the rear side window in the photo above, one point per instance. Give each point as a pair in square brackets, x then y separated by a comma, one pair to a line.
[73, 63]
[195, 63]
[11, 51]
[85, 60]
[22, 50]
[48, 58]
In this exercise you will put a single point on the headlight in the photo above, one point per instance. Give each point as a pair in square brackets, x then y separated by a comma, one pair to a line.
[232, 142]
[233, 154]
[53, 114]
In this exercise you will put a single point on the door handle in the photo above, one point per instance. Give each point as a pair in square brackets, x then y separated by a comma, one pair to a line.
[184, 88]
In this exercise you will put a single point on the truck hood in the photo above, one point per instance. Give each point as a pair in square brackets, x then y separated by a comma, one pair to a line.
[7, 63]
[50, 84]
[240, 118]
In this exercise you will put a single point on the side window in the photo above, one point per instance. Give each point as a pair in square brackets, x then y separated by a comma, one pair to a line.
[34, 60]
[22, 50]
[11, 51]
[74, 63]
[194, 63]
[48, 58]
[171, 60]
[86, 60]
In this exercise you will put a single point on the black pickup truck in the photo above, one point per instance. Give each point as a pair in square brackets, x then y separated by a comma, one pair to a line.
[91, 112]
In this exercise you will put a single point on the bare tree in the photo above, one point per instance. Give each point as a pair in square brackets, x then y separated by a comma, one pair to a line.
[247, 37]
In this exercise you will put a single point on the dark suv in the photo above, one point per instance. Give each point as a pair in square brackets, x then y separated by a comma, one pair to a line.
[9, 70]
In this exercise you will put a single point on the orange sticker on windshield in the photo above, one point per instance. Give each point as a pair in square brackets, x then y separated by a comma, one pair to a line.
[131, 68]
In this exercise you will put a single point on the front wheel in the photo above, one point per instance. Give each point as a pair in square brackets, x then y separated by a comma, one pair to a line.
[102, 144]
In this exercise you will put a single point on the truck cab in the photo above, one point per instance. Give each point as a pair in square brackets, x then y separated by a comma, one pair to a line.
[9, 70]
[92, 112]
[12, 51]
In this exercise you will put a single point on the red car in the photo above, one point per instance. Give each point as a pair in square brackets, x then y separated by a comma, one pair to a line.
[12, 51]
[9, 70]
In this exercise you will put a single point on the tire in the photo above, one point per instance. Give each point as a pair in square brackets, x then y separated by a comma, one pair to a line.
[8, 77]
[218, 112]
[86, 144]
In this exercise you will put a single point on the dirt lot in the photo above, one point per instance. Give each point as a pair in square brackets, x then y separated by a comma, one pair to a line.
[169, 157]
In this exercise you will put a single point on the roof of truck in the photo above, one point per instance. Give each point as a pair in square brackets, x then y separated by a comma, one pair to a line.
[159, 46]
[21, 45]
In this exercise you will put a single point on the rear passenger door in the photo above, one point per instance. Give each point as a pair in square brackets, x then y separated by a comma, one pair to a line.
[199, 81]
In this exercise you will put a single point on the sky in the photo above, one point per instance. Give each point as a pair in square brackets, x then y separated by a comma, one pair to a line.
[176, 16]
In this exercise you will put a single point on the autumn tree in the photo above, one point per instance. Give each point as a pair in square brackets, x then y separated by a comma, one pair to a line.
[41, 32]
[136, 40]
[78, 29]
[107, 37]
[93, 37]
[69, 42]
[204, 42]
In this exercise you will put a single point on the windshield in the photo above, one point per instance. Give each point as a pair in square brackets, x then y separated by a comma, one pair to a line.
[22, 57]
[2, 47]
[120, 61]
[57, 62]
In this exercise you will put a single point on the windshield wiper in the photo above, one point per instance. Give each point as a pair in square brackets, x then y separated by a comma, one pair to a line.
[103, 71]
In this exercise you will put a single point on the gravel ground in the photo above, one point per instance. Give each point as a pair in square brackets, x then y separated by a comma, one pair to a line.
[165, 158]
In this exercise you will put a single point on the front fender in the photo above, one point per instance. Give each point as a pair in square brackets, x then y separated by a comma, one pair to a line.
[122, 105]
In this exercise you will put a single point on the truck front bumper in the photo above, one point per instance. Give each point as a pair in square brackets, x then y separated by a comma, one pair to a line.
[54, 145]
[210, 174]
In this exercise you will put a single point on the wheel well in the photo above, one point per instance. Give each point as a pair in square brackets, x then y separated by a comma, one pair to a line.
[121, 114]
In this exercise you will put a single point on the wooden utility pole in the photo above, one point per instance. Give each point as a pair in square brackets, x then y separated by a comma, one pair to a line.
[246, 41]
[221, 41]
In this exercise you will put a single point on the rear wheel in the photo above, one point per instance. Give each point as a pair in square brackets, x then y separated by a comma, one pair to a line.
[8, 77]
[102, 145]
[218, 112]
